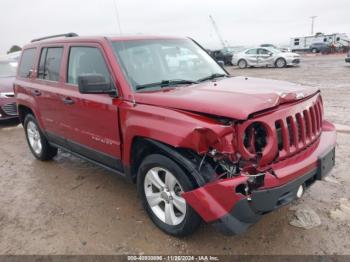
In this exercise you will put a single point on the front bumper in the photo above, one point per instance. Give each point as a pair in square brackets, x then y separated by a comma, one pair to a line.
[293, 61]
[232, 213]
[234, 61]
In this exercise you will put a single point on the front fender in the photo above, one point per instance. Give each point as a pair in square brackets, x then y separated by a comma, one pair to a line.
[179, 129]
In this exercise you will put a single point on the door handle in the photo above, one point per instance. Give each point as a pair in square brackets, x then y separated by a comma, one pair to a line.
[36, 93]
[68, 101]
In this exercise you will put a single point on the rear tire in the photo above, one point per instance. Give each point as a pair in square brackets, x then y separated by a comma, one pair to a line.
[37, 142]
[242, 64]
[314, 50]
[160, 182]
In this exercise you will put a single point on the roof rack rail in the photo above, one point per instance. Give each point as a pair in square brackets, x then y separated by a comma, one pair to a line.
[54, 36]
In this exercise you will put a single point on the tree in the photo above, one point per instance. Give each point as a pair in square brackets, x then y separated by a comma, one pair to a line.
[14, 48]
[319, 34]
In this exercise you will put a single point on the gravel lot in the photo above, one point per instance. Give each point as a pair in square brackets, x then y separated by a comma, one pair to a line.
[69, 206]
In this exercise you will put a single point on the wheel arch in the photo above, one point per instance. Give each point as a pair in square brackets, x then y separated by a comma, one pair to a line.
[25, 108]
[243, 59]
[187, 159]
[23, 111]
[278, 58]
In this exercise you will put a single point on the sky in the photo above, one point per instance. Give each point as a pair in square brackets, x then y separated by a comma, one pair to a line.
[249, 22]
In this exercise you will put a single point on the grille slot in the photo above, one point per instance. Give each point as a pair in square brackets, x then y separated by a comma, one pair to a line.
[10, 109]
[298, 131]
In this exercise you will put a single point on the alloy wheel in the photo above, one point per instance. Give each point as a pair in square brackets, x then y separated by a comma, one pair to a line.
[163, 194]
[281, 63]
[242, 64]
[34, 137]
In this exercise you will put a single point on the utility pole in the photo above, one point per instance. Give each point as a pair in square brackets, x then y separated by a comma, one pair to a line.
[217, 31]
[312, 24]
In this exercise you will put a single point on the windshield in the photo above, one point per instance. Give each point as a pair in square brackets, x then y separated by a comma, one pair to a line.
[8, 68]
[178, 61]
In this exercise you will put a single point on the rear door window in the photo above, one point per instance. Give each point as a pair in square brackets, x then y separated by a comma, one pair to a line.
[86, 60]
[27, 62]
[50, 63]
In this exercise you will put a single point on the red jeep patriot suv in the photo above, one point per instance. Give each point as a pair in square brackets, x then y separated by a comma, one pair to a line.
[199, 143]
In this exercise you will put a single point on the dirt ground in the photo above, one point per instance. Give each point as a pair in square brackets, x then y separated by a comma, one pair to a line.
[69, 206]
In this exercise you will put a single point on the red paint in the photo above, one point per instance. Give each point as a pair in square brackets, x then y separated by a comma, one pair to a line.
[233, 97]
[214, 200]
[280, 115]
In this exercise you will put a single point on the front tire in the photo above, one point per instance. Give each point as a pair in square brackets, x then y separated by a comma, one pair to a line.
[160, 182]
[281, 63]
[242, 64]
[37, 142]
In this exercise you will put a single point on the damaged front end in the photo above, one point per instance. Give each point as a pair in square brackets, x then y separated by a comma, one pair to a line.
[262, 164]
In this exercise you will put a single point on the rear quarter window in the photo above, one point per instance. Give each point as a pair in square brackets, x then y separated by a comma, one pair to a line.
[27, 63]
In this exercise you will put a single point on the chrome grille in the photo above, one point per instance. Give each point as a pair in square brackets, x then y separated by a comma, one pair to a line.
[10, 109]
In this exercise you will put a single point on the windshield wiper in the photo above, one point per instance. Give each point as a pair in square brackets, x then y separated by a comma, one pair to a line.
[211, 77]
[166, 83]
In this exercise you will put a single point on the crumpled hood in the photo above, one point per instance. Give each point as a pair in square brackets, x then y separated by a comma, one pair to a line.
[234, 97]
[6, 84]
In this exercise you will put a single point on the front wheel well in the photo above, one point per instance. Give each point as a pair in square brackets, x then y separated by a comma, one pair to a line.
[242, 59]
[187, 159]
[281, 58]
[23, 111]
[139, 150]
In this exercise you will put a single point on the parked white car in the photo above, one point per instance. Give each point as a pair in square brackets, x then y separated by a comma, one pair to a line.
[264, 57]
[11, 56]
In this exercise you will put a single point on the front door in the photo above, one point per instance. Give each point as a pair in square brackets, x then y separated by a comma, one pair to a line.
[252, 56]
[91, 127]
[265, 57]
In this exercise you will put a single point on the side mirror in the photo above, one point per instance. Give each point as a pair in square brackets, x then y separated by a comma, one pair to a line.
[95, 84]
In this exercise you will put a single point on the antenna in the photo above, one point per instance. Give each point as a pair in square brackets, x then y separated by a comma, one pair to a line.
[117, 16]
[120, 32]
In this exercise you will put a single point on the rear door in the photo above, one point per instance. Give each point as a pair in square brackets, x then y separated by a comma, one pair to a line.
[91, 126]
[40, 82]
[48, 85]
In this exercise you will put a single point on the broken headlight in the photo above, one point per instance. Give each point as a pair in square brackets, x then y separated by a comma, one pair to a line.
[255, 138]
